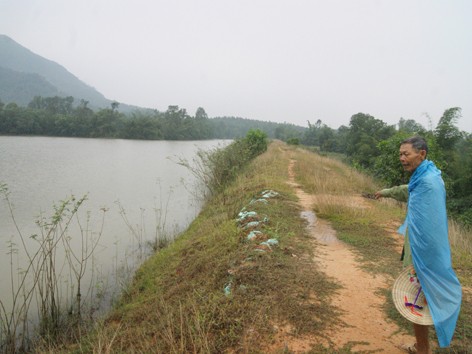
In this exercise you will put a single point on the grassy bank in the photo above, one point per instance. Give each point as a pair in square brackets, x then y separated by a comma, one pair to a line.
[213, 290]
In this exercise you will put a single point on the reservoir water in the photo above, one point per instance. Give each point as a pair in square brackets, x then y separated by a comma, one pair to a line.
[135, 192]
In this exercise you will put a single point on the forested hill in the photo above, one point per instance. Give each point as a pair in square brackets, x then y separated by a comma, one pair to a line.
[25, 75]
[21, 87]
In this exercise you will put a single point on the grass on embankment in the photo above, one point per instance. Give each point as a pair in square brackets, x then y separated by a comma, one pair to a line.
[177, 302]
[367, 225]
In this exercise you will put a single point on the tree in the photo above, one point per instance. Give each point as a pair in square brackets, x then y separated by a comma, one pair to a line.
[460, 198]
[173, 126]
[8, 119]
[106, 123]
[327, 139]
[201, 114]
[202, 128]
[141, 127]
[312, 134]
[341, 139]
[82, 120]
[286, 132]
[410, 126]
[364, 135]
[387, 166]
[54, 105]
[114, 105]
[446, 132]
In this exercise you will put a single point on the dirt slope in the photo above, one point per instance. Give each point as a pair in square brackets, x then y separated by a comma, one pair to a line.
[366, 324]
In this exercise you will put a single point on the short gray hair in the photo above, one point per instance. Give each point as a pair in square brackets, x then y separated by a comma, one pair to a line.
[417, 142]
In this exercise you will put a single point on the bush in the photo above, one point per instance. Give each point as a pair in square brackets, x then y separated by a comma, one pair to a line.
[255, 142]
[218, 167]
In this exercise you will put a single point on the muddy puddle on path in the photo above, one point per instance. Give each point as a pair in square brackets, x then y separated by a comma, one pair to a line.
[324, 234]
[359, 298]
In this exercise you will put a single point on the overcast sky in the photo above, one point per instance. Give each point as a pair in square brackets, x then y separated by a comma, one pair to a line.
[271, 60]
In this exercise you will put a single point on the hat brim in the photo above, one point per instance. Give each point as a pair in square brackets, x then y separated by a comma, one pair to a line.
[406, 291]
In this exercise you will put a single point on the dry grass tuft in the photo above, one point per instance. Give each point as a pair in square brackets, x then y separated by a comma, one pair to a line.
[324, 175]
[461, 246]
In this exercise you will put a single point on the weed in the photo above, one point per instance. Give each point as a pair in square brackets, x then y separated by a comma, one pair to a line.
[47, 265]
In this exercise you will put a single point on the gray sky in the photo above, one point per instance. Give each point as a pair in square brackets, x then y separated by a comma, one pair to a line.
[271, 60]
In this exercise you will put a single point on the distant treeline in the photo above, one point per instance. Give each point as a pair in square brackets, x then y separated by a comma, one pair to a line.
[368, 143]
[373, 146]
[59, 116]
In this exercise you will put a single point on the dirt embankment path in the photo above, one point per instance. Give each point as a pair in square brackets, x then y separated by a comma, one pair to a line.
[358, 299]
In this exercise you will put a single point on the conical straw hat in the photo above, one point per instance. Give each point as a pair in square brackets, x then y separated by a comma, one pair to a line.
[409, 299]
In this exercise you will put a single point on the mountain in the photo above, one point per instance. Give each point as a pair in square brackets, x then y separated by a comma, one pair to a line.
[24, 74]
[20, 87]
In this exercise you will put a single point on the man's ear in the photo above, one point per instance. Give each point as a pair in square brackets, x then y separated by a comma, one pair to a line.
[423, 154]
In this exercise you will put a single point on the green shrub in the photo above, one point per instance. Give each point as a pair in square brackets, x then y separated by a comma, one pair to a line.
[218, 167]
[255, 142]
[293, 141]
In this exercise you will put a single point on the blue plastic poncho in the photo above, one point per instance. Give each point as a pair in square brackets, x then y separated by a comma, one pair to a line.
[426, 221]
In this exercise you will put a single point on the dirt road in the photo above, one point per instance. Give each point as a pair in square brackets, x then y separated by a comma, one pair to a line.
[358, 299]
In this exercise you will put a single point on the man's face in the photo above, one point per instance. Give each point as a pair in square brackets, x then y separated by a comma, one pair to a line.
[410, 158]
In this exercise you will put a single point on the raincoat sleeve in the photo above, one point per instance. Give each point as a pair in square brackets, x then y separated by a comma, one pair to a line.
[399, 193]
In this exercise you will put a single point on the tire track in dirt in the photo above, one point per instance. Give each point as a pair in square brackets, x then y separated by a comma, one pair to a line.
[358, 299]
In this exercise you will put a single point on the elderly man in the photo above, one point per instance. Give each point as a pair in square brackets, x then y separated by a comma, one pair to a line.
[426, 241]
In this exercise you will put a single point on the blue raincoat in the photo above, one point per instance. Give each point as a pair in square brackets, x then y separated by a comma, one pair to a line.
[426, 221]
